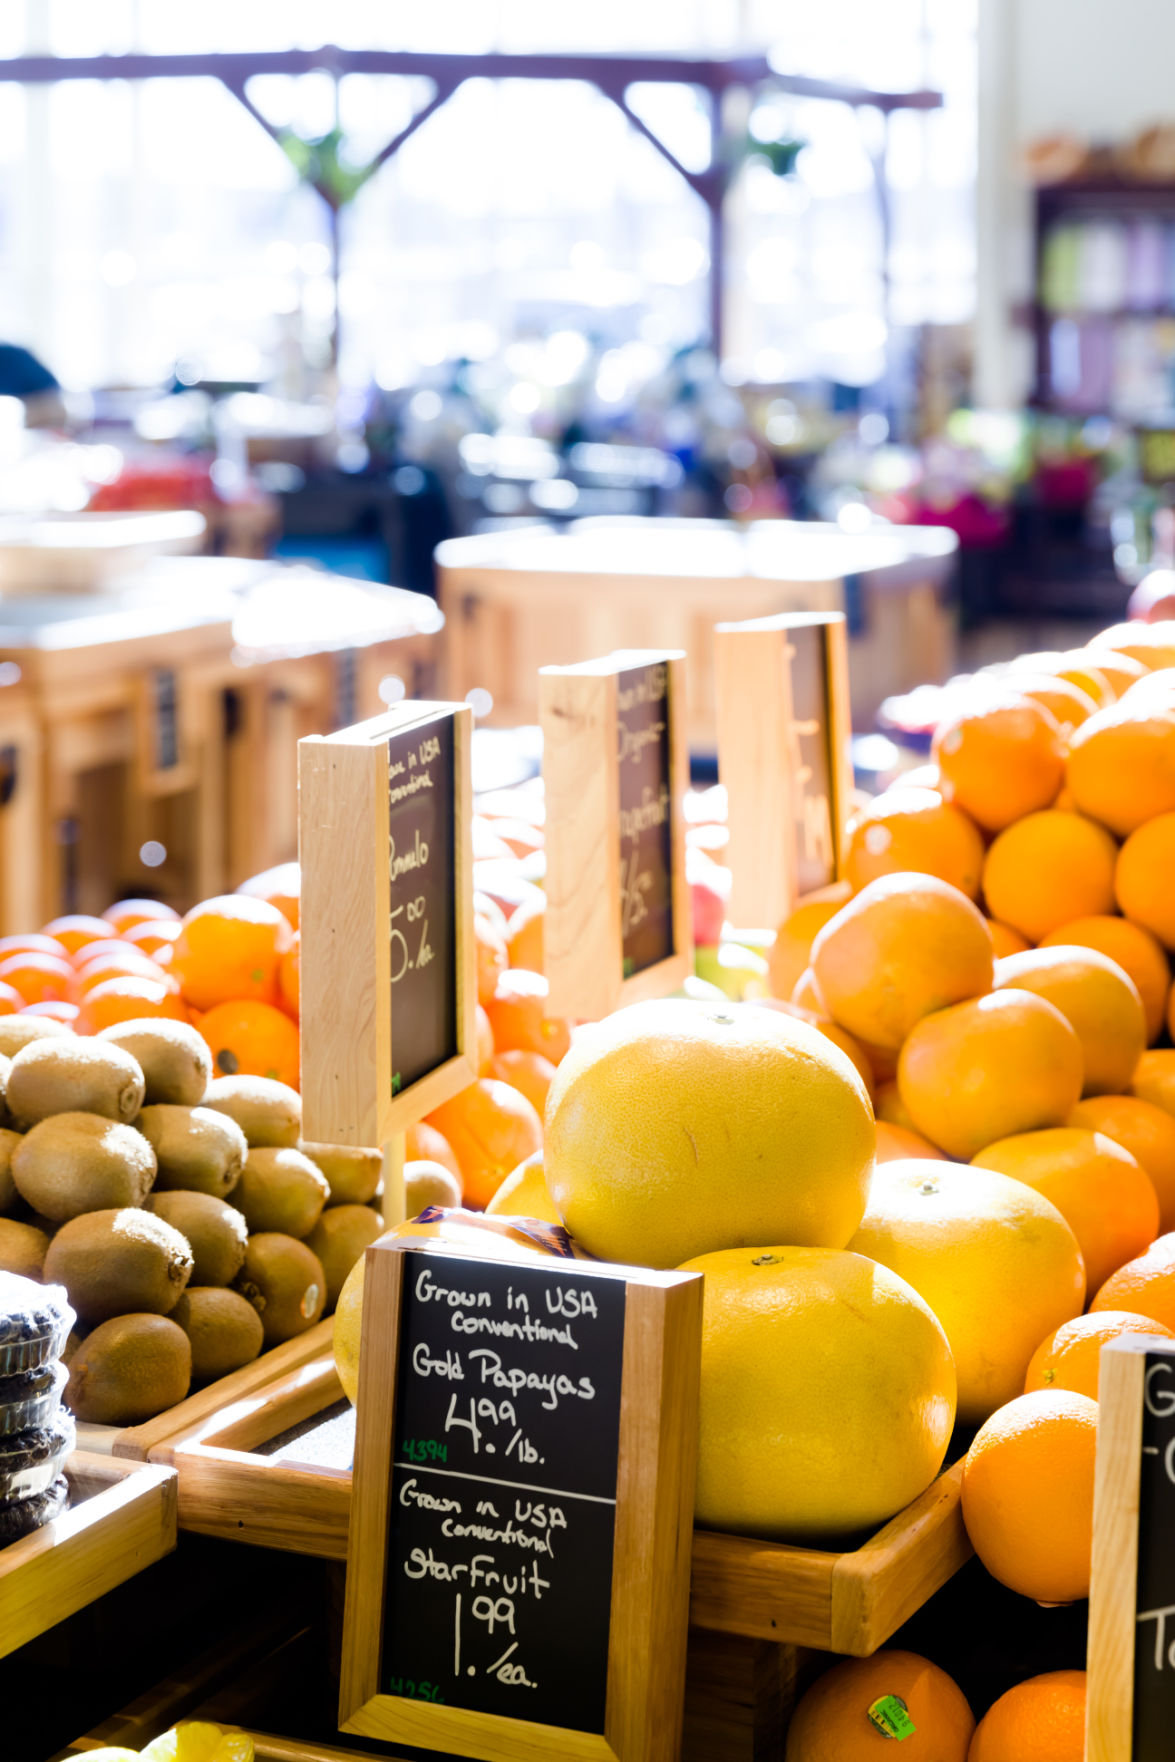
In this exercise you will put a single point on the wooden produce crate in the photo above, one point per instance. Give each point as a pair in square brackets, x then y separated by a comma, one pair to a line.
[254, 1470]
[121, 1518]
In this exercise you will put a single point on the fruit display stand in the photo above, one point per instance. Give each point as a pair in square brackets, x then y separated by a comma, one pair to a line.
[121, 1518]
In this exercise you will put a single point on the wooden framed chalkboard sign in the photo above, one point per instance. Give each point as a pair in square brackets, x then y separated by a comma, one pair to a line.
[784, 736]
[616, 768]
[389, 986]
[519, 1557]
[1131, 1685]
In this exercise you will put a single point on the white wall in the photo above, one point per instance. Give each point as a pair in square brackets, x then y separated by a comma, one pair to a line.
[1099, 69]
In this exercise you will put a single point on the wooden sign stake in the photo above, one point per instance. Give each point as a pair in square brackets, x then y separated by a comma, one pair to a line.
[1130, 1709]
[389, 976]
[616, 769]
[784, 755]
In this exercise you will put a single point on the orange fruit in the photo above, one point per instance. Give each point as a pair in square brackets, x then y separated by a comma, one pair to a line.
[1048, 868]
[996, 1262]
[518, 1016]
[425, 1144]
[1028, 1494]
[908, 831]
[31, 944]
[125, 1000]
[1152, 644]
[806, 994]
[1119, 671]
[1042, 1720]
[153, 934]
[57, 1012]
[519, 836]
[1154, 1078]
[281, 886]
[126, 963]
[1005, 940]
[1104, 1195]
[1145, 1286]
[1134, 949]
[230, 949]
[791, 952]
[674, 1128]
[289, 976]
[124, 914]
[528, 1072]
[252, 1039]
[1098, 1000]
[1143, 878]
[1070, 1357]
[1122, 765]
[485, 1043]
[836, 1721]
[1074, 667]
[524, 935]
[39, 978]
[492, 959]
[492, 1128]
[1146, 1131]
[854, 1392]
[1066, 701]
[11, 1001]
[76, 930]
[1000, 758]
[907, 945]
[899, 1144]
[1005, 1063]
[889, 1106]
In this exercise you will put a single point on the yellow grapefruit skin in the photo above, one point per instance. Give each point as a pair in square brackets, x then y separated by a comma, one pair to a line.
[677, 1128]
[827, 1395]
[994, 1259]
[524, 1194]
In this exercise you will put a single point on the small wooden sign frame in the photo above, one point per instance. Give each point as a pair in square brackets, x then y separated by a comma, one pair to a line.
[348, 1062]
[653, 1529]
[762, 762]
[583, 927]
[1128, 1411]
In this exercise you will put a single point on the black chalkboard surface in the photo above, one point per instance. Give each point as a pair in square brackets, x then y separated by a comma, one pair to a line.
[167, 752]
[1154, 1652]
[644, 752]
[503, 1488]
[812, 766]
[423, 911]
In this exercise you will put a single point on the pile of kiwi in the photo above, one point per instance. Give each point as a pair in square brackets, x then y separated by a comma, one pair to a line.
[182, 1213]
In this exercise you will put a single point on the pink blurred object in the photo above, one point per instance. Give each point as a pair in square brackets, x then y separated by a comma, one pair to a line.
[1153, 600]
[709, 885]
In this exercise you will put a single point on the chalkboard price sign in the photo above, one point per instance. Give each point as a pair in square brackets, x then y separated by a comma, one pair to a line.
[1131, 1703]
[504, 1558]
[388, 955]
[783, 754]
[616, 767]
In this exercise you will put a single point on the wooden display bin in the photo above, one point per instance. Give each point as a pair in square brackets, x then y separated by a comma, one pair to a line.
[121, 1518]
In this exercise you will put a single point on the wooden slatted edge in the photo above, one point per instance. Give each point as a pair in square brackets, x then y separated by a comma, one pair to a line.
[125, 1521]
[763, 1590]
[155, 1440]
[269, 1504]
[879, 1586]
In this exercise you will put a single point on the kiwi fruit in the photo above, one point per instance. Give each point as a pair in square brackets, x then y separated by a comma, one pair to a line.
[174, 1058]
[8, 1143]
[117, 1261]
[215, 1232]
[269, 1113]
[198, 1149]
[22, 1248]
[224, 1329]
[73, 1076]
[339, 1238]
[128, 1370]
[281, 1190]
[77, 1162]
[427, 1183]
[353, 1174]
[17, 1031]
[285, 1283]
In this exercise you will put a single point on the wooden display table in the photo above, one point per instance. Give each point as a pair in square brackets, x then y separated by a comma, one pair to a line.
[516, 601]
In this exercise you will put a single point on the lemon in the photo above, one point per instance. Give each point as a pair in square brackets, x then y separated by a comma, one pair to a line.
[199, 1741]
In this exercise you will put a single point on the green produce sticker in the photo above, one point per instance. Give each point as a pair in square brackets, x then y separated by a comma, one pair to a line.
[891, 1716]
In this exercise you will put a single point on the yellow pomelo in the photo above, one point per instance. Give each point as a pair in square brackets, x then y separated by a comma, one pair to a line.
[827, 1396]
[678, 1128]
[524, 1194]
[995, 1260]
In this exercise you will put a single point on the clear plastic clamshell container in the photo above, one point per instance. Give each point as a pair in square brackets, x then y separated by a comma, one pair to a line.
[34, 1323]
[30, 1461]
[31, 1397]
